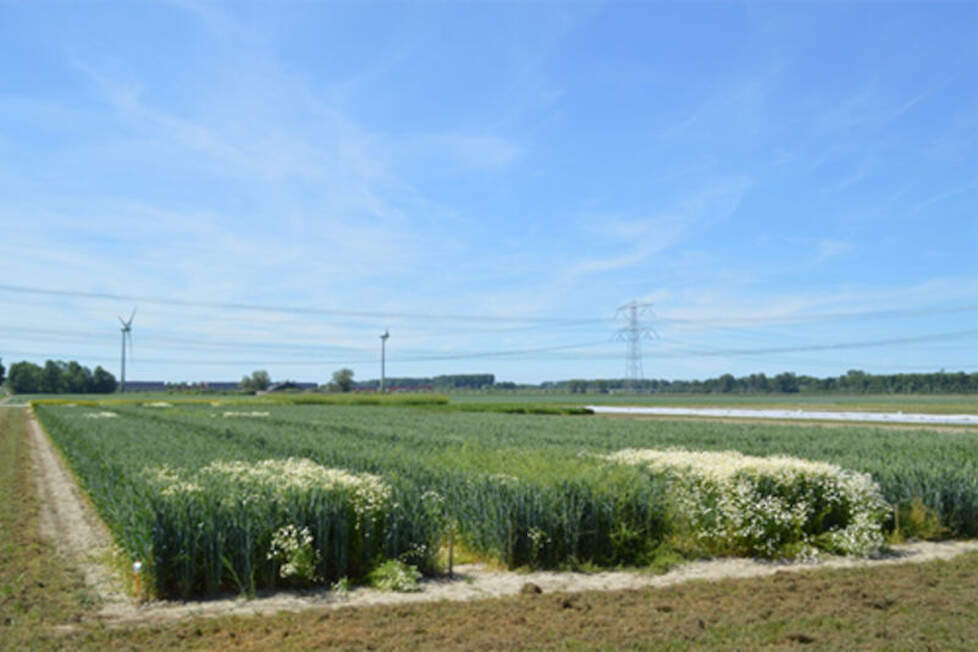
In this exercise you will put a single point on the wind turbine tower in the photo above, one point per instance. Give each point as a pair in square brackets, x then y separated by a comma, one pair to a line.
[383, 355]
[126, 334]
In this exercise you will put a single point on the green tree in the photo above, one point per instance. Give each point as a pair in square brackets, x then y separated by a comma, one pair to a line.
[1, 371]
[77, 379]
[727, 383]
[53, 377]
[103, 382]
[260, 380]
[257, 382]
[577, 386]
[25, 378]
[342, 381]
[786, 382]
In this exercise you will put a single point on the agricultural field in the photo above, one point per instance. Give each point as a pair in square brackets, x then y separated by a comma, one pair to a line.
[45, 604]
[246, 495]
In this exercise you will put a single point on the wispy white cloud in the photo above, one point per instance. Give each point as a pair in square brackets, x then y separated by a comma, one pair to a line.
[637, 240]
[704, 307]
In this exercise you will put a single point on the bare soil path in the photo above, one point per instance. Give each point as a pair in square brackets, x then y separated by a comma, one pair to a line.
[69, 519]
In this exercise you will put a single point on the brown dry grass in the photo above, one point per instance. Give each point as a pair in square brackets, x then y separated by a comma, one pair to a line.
[918, 606]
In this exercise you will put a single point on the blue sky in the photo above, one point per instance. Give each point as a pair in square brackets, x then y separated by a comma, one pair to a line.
[792, 186]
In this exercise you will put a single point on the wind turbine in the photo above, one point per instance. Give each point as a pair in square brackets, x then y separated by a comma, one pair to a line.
[126, 333]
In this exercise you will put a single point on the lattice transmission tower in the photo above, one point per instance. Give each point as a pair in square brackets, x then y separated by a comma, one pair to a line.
[636, 328]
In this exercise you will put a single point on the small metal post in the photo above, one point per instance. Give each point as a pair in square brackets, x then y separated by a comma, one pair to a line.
[451, 549]
[137, 568]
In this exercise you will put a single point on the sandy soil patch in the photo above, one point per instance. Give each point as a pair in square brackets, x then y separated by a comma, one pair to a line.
[70, 521]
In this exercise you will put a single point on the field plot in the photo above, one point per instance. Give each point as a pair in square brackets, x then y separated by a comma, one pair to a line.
[247, 496]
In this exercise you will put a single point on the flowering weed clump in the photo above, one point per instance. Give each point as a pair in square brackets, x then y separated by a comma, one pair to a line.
[292, 548]
[250, 524]
[731, 503]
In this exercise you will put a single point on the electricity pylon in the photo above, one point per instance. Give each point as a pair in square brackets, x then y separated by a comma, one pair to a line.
[633, 332]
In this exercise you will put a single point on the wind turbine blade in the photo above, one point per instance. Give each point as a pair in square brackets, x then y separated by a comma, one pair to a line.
[121, 321]
[131, 315]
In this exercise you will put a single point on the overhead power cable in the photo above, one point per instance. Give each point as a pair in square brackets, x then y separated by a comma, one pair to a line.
[298, 310]
[519, 322]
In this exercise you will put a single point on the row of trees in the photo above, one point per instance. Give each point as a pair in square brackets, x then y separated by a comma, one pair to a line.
[59, 377]
[852, 382]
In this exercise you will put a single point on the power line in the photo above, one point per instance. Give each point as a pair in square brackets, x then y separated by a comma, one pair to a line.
[701, 351]
[298, 310]
[521, 321]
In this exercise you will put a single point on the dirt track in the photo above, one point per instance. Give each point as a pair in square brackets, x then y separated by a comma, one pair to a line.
[69, 520]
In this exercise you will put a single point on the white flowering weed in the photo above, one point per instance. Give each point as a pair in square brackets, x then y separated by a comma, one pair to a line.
[296, 474]
[292, 547]
[731, 503]
[276, 478]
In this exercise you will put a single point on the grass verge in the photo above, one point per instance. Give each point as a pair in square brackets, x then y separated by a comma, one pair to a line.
[38, 590]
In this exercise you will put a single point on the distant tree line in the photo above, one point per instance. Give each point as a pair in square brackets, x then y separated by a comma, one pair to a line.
[437, 383]
[59, 377]
[852, 382]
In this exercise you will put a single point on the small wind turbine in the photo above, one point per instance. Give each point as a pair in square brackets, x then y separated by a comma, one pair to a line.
[126, 333]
